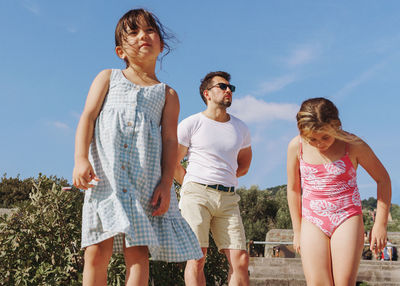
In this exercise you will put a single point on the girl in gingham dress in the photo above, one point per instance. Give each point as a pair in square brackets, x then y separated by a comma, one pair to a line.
[125, 162]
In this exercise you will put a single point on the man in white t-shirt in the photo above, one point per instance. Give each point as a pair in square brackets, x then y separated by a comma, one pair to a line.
[217, 146]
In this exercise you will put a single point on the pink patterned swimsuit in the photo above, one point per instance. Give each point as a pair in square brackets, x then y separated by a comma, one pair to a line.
[330, 192]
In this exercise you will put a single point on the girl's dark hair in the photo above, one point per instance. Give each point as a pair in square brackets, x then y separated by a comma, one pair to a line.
[134, 19]
[321, 115]
[205, 82]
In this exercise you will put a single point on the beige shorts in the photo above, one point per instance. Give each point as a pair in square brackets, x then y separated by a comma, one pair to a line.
[205, 208]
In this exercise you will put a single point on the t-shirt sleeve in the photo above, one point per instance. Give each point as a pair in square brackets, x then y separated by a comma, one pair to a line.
[184, 132]
[247, 137]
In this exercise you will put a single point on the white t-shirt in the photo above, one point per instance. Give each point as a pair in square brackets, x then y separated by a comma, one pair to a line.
[213, 148]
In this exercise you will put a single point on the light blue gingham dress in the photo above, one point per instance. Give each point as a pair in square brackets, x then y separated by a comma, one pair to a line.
[126, 155]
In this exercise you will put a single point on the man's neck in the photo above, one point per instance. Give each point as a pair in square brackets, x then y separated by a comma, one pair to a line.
[217, 114]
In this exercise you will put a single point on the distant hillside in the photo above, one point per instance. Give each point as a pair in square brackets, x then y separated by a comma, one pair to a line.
[16, 190]
[369, 208]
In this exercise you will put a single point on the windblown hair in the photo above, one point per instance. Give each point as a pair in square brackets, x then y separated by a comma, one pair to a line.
[321, 115]
[205, 82]
[133, 20]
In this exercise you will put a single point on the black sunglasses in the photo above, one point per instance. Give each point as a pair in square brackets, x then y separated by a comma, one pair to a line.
[224, 86]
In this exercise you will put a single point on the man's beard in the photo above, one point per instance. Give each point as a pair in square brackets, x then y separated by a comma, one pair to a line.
[225, 103]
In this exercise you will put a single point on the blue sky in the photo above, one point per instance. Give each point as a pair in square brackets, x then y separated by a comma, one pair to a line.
[279, 53]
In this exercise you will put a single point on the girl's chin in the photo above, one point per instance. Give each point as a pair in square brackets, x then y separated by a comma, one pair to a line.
[322, 149]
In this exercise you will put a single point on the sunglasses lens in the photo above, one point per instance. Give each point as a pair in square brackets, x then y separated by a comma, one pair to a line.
[222, 86]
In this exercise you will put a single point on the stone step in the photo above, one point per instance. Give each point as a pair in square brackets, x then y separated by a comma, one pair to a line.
[289, 270]
[289, 282]
[383, 283]
[379, 273]
[276, 268]
[276, 272]
[277, 282]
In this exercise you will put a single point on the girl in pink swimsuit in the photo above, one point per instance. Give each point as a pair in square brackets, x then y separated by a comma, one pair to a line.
[323, 197]
[330, 193]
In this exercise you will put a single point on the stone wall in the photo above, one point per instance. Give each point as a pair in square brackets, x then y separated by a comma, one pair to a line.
[280, 235]
[289, 272]
[287, 251]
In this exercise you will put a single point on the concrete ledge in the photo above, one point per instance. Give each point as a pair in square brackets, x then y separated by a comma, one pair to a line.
[276, 282]
[289, 272]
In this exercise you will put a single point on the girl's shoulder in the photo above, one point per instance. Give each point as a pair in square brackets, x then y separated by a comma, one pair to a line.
[105, 73]
[357, 146]
[169, 91]
[102, 80]
[171, 96]
[103, 77]
[295, 142]
[293, 153]
[171, 105]
[294, 146]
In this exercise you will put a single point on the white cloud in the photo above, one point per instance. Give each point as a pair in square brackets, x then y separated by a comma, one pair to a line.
[268, 167]
[277, 83]
[32, 7]
[363, 77]
[300, 56]
[252, 110]
[60, 125]
[303, 55]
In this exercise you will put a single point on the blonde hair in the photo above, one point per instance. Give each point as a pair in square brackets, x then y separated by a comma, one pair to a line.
[321, 115]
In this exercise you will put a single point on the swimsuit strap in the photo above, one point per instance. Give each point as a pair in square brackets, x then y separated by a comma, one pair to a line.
[300, 154]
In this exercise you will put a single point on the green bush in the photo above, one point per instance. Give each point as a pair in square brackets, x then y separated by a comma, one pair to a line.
[262, 210]
[216, 268]
[40, 244]
[15, 190]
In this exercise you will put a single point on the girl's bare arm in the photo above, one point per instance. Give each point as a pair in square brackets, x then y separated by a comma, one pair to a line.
[370, 162]
[294, 190]
[83, 171]
[169, 123]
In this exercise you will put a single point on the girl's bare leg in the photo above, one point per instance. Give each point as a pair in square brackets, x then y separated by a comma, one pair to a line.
[315, 255]
[346, 246]
[97, 257]
[137, 265]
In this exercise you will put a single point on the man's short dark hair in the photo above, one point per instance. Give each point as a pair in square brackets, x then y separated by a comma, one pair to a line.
[205, 82]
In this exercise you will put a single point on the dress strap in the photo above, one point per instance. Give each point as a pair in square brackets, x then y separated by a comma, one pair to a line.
[300, 152]
[115, 75]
